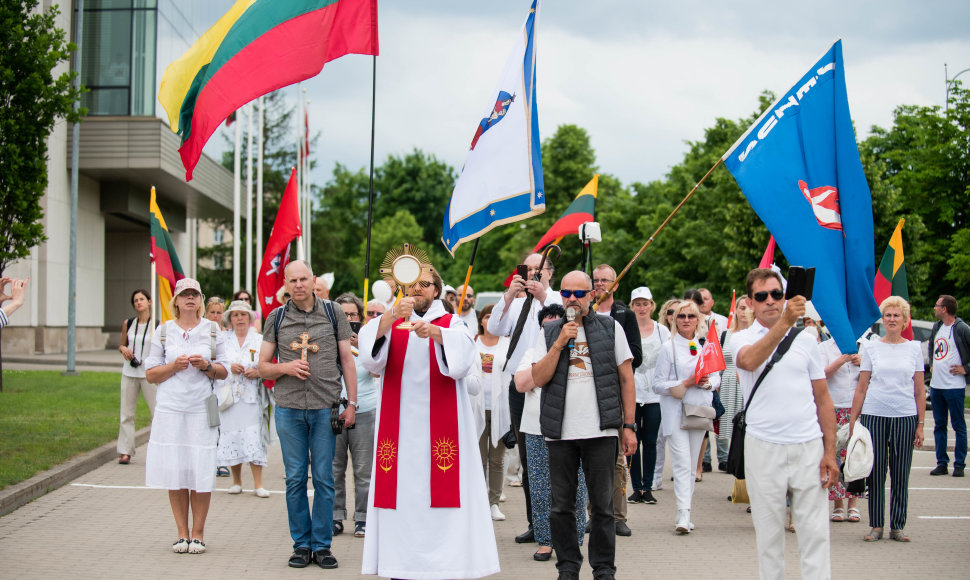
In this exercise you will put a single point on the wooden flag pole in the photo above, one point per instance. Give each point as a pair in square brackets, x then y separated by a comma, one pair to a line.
[468, 277]
[636, 256]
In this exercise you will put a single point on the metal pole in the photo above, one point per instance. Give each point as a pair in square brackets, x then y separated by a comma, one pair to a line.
[259, 192]
[370, 189]
[72, 255]
[300, 247]
[307, 183]
[250, 110]
[236, 187]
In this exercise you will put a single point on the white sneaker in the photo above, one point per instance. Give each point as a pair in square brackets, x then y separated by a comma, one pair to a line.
[496, 514]
[683, 522]
[262, 493]
[235, 489]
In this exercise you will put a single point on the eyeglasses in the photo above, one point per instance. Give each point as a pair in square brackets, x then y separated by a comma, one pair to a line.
[190, 294]
[373, 313]
[576, 293]
[686, 316]
[603, 281]
[763, 295]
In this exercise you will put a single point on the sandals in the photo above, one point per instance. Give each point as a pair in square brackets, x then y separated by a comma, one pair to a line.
[197, 547]
[838, 515]
[875, 534]
[180, 546]
[338, 527]
[898, 535]
[124, 459]
[855, 515]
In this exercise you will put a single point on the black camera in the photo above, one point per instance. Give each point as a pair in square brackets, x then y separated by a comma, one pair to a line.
[134, 362]
[336, 423]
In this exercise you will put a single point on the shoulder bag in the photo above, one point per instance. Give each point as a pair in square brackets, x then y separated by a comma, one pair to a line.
[735, 462]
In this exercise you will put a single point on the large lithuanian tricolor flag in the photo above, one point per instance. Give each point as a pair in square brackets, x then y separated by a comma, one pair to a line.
[257, 47]
[891, 276]
[167, 265]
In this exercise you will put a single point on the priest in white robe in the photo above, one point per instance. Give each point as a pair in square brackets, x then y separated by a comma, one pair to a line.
[428, 514]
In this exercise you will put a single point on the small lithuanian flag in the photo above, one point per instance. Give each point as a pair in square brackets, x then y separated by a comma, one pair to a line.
[891, 276]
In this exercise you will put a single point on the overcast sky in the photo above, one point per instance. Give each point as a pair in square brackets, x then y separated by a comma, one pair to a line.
[641, 77]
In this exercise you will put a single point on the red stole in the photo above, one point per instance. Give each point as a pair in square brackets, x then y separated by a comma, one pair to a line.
[444, 481]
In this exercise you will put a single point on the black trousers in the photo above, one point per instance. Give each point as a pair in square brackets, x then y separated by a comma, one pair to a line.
[598, 457]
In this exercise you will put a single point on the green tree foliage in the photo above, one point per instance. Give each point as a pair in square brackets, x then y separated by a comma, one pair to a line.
[920, 171]
[31, 99]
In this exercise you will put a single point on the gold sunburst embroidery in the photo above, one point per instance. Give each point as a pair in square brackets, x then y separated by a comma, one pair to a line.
[445, 453]
[386, 450]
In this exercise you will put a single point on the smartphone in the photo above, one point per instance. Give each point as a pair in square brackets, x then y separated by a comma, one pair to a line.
[522, 270]
[800, 282]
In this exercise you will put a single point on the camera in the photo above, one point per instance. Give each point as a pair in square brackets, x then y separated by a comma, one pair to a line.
[134, 362]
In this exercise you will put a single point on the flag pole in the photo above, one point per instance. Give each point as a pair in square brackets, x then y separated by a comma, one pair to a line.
[370, 189]
[307, 181]
[250, 110]
[300, 248]
[650, 239]
[236, 193]
[468, 276]
[259, 195]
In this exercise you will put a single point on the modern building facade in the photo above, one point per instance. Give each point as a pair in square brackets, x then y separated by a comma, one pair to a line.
[126, 147]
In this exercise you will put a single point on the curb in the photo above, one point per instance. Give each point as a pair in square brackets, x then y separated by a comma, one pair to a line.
[22, 493]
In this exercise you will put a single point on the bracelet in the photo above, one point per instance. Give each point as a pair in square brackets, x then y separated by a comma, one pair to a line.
[920, 422]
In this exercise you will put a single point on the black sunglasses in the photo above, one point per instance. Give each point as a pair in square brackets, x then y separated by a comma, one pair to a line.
[686, 316]
[576, 293]
[763, 295]
[373, 313]
[670, 312]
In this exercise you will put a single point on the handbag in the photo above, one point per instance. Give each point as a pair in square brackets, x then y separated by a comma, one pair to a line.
[735, 462]
[225, 393]
[212, 410]
[740, 492]
[696, 417]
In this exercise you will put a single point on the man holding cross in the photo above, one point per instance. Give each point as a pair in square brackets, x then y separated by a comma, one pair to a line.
[312, 344]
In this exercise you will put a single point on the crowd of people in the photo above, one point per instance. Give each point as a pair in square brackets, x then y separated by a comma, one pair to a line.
[590, 392]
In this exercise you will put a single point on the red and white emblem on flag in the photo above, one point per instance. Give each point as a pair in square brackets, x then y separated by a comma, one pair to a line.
[825, 204]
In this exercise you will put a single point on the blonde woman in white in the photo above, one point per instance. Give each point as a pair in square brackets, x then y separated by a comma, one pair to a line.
[674, 381]
[240, 401]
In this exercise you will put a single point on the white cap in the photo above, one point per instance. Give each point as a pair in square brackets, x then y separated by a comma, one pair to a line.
[448, 289]
[641, 292]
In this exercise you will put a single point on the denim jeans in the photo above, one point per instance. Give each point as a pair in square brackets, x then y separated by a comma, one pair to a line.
[644, 460]
[949, 402]
[307, 441]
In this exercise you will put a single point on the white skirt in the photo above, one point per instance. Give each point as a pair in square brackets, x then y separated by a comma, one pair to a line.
[240, 435]
[181, 452]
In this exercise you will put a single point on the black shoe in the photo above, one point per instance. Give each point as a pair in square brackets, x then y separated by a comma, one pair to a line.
[338, 527]
[604, 576]
[706, 467]
[940, 470]
[526, 537]
[301, 558]
[722, 466]
[622, 529]
[542, 557]
[325, 559]
[647, 497]
[635, 497]
[957, 472]
[568, 575]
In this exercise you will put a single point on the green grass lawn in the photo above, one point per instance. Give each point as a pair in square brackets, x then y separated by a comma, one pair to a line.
[46, 419]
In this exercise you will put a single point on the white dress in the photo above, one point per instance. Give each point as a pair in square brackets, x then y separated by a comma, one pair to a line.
[240, 434]
[415, 540]
[182, 448]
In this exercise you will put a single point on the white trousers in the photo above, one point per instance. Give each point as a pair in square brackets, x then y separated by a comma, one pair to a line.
[658, 472]
[771, 472]
[685, 448]
[130, 387]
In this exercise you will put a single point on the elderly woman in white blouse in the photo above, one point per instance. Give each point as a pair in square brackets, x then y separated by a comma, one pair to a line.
[674, 381]
[187, 355]
[240, 401]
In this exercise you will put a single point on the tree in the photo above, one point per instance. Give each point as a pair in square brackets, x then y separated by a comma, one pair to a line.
[31, 100]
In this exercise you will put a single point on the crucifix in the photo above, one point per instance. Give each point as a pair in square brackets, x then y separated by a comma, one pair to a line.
[304, 345]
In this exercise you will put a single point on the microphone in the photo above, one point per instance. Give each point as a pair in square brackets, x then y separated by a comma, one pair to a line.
[570, 316]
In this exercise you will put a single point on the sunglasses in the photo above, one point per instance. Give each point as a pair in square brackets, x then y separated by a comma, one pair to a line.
[670, 312]
[424, 283]
[686, 316]
[373, 313]
[763, 295]
[576, 293]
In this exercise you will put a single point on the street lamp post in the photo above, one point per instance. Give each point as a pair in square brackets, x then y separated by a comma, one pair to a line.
[948, 81]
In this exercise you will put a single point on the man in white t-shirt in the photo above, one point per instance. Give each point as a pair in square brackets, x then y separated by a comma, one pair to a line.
[588, 395]
[789, 447]
[950, 362]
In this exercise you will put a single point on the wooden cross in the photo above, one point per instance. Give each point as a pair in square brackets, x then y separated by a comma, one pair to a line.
[304, 345]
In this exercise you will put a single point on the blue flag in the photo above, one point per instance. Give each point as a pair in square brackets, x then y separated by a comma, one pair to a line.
[799, 168]
[501, 181]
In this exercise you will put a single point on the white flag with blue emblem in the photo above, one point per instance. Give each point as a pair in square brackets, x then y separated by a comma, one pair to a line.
[501, 181]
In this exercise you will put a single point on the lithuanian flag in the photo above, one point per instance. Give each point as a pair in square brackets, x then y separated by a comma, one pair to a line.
[166, 261]
[891, 276]
[579, 212]
[257, 47]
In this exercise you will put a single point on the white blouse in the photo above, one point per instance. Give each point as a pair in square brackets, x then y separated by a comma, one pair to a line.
[186, 390]
[247, 355]
[667, 374]
[891, 391]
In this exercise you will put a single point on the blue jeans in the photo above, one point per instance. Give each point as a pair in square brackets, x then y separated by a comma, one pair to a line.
[949, 401]
[307, 441]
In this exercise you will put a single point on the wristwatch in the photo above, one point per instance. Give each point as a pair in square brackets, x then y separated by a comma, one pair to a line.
[631, 426]
[354, 403]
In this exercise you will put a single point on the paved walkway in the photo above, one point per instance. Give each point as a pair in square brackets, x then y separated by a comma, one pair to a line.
[107, 525]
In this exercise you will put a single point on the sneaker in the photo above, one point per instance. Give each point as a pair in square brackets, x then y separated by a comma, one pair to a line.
[181, 546]
[635, 497]
[497, 515]
[502, 497]
[325, 559]
[683, 522]
[197, 547]
[957, 472]
[657, 486]
[235, 489]
[261, 492]
[647, 497]
[359, 529]
[940, 470]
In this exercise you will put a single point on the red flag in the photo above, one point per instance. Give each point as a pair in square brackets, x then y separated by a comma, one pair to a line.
[286, 228]
[712, 358]
[769, 257]
[734, 303]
